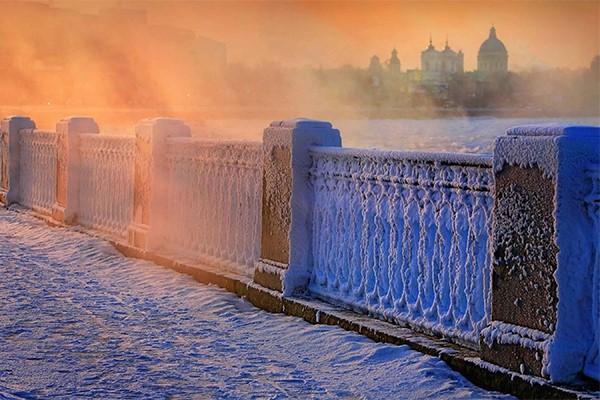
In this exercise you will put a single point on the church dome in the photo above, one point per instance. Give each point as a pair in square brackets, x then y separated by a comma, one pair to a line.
[492, 44]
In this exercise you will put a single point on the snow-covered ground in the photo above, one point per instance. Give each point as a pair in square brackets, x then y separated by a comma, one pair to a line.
[77, 319]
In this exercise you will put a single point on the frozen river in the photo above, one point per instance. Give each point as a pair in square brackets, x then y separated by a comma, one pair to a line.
[78, 320]
[452, 134]
[456, 135]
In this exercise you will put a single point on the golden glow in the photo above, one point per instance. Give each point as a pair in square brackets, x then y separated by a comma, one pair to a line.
[554, 34]
[328, 34]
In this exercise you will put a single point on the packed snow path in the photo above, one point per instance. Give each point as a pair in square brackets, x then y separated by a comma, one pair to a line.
[77, 319]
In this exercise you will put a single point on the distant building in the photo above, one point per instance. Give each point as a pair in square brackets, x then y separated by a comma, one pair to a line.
[394, 64]
[493, 56]
[438, 66]
[414, 76]
[442, 74]
[375, 71]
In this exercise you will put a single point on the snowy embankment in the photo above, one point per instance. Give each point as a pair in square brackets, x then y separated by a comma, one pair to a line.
[79, 320]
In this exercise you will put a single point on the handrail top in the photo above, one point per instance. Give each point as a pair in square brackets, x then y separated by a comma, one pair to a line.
[214, 141]
[482, 160]
[93, 136]
[39, 131]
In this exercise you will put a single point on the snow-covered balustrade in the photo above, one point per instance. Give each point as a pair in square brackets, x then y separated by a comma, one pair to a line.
[214, 201]
[38, 169]
[409, 237]
[405, 236]
[106, 185]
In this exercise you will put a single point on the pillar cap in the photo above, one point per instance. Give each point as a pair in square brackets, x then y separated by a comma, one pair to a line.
[302, 123]
[16, 117]
[554, 130]
[163, 121]
[77, 118]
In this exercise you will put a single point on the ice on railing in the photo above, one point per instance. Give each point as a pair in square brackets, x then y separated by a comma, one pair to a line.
[106, 186]
[38, 169]
[4, 159]
[214, 201]
[592, 201]
[405, 236]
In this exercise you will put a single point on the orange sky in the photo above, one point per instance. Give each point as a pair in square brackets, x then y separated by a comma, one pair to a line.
[562, 34]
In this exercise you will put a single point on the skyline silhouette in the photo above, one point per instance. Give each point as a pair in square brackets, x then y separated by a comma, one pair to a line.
[540, 34]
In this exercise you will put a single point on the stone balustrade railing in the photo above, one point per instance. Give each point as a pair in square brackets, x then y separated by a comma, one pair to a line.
[38, 169]
[498, 253]
[106, 193]
[213, 201]
[405, 236]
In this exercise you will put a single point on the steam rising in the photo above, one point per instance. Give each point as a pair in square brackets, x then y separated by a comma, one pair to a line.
[63, 59]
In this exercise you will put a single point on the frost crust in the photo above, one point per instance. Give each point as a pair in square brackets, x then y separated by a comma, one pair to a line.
[38, 169]
[404, 236]
[568, 156]
[503, 333]
[107, 182]
[214, 201]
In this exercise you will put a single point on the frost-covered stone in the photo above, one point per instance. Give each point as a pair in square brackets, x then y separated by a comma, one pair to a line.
[545, 250]
[404, 236]
[38, 170]
[68, 166]
[213, 201]
[10, 157]
[106, 191]
[151, 176]
[287, 201]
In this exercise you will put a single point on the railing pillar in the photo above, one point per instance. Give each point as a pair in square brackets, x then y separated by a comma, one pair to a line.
[151, 180]
[68, 162]
[544, 246]
[286, 240]
[10, 156]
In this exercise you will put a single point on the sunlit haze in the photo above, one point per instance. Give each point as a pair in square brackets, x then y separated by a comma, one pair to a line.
[554, 34]
[199, 60]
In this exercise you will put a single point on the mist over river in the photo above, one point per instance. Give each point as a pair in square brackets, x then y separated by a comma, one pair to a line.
[457, 135]
[460, 134]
